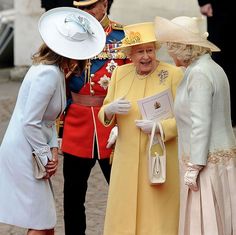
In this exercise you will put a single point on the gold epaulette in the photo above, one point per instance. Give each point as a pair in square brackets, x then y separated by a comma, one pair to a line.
[59, 126]
[117, 26]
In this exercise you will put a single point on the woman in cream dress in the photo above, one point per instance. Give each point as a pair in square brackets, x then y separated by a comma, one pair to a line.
[207, 145]
[134, 206]
[24, 200]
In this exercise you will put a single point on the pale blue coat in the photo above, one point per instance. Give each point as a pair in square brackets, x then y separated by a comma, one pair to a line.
[24, 200]
[202, 111]
[205, 137]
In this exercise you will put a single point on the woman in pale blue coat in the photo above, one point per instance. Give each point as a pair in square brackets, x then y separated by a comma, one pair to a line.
[71, 36]
[207, 145]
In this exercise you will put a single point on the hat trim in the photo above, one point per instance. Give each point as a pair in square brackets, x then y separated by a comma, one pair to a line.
[134, 44]
[203, 43]
[84, 3]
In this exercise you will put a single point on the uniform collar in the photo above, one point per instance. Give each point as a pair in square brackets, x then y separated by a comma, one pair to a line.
[105, 21]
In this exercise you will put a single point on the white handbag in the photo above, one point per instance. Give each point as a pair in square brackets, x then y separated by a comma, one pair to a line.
[156, 161]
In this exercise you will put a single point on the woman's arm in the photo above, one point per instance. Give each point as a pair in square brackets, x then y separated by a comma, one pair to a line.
[200, 95]
[42, 88]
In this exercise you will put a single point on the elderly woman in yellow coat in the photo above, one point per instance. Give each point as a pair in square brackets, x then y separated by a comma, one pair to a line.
[134, 206]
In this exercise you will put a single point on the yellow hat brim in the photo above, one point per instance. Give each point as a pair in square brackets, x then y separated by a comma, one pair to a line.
[126, 46]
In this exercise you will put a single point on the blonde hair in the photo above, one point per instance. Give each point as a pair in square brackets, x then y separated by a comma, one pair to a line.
[186, 53]
[45, 55]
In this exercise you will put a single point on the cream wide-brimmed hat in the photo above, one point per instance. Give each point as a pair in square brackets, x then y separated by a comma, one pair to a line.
[136, 34]
[82, 3]
[72, 33]
[182, 29]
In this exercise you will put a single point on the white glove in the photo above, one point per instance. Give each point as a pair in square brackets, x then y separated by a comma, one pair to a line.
[190, 176]
[112, 137]
[146, 126]
[119, 106]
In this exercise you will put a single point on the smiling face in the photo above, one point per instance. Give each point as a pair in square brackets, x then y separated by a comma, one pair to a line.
[144, 57]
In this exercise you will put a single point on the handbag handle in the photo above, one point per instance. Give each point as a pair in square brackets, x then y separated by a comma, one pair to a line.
[160, 138]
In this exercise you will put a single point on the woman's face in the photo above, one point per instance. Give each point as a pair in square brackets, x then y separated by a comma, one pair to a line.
[144, 57]
[177, 62]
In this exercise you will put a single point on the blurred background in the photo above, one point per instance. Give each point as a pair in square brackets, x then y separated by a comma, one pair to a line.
[19, 37]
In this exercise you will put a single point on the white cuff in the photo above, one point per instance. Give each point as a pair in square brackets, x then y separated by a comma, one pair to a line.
[44, 154]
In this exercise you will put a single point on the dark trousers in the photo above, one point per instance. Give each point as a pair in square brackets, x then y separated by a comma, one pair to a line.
[76, 172]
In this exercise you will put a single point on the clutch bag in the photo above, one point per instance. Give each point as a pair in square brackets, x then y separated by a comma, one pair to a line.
[39, 168]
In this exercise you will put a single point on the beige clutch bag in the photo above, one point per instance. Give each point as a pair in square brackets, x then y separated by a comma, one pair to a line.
[39, 168]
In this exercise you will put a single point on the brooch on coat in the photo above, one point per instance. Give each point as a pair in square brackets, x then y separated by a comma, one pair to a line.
[163, 74]
[111, 66]
[104, 82]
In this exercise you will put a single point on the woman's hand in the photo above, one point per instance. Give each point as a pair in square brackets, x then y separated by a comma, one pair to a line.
[146, 126]
[112, 137]
[52, 165]
[119, 106]
[191, 175]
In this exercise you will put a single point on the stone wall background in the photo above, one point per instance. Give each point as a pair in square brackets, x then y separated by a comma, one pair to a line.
[27, 39]
[6, 4]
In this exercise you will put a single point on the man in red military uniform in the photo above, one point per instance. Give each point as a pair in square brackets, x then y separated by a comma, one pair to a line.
[84, 137]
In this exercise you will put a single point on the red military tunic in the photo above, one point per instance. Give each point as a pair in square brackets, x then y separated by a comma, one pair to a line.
[81, 124]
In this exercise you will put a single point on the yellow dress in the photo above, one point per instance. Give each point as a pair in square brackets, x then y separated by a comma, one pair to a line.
[134, 207]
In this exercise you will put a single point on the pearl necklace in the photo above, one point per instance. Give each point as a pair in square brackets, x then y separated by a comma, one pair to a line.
[142, 77]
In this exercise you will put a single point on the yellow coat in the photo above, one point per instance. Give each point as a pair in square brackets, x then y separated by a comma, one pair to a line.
[135, 207]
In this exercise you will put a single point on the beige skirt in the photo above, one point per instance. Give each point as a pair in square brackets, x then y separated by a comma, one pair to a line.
[212, 209]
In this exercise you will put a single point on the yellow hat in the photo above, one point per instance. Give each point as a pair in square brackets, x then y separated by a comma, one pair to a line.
[81, 3]
[137, 34]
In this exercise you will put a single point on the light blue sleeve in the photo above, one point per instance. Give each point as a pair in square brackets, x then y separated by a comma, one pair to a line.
[200, 92]
[42, 87]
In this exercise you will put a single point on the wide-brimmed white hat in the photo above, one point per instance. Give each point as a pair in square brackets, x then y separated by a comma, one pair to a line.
[182, 29]
[72, 33]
